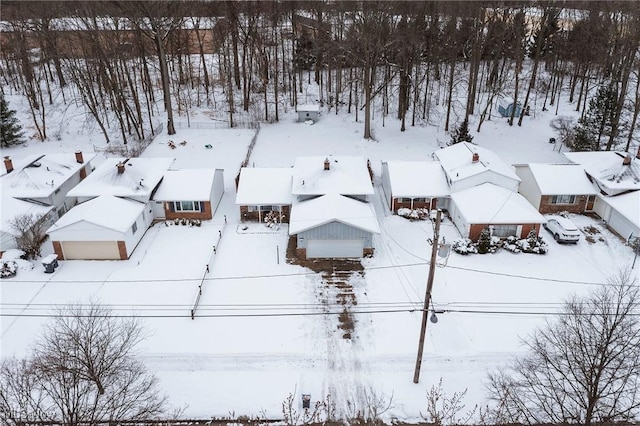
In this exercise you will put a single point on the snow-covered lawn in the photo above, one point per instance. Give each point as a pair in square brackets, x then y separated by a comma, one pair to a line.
[262, 330]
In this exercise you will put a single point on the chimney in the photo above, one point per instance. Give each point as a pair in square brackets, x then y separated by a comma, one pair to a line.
[120, 167]
[79, 158]
[327, 164]
[638, 153]
[8, 164]
[626, 161]
[475, 158]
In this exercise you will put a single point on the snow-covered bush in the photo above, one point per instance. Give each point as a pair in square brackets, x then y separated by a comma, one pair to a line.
[8, 268]
[415, 214]
[511, 244]
[464, 246]
[533, 244]
[272, 220]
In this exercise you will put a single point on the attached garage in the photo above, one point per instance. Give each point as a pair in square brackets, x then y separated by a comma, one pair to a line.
[620, 212]
[104, 228]
[334, 249]
[98, 250]
[333, 226]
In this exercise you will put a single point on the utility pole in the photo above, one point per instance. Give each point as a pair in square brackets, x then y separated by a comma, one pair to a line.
[427, 297]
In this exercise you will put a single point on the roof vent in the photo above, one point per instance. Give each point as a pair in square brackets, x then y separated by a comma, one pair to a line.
[327, 164]
[475, 158]
[626, 161]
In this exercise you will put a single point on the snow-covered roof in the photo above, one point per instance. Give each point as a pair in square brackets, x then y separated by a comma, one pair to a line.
[505, 101]
[12, 207]
[457, 162]
[417, 179]
[561, 179]
[628, 205]
[186, 184]
[105, 211]
[492, 204]
[346, 176]
[309, 108]
[332, 208]
[608, 170]
[140, 177]
[264, 186]
[39, 176]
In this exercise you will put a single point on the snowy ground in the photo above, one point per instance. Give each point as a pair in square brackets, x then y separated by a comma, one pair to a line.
[241, 355]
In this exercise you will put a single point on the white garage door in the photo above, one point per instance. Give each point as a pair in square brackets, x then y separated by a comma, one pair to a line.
[621, 225]
[334, 248]
[97, 250]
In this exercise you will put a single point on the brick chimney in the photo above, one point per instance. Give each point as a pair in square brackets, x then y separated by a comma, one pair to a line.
[327, 164]
[638, 153]
[8, 164]
[120, 167]
[626, 161]
[475, 158]
[79, 157]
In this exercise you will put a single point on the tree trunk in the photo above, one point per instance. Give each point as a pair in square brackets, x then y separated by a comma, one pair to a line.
[452, 69]
[166, 87]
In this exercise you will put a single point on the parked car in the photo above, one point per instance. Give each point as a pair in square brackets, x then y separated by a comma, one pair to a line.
[562, 229]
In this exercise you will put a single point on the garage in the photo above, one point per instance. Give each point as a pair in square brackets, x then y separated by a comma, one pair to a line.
[334, 248]
[621, 225]
[98, 250]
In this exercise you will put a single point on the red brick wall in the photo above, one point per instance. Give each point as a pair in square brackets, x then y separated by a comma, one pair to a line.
[205, 214]
[83, 173]
[122, 248]
[416, 205]
[476, 229]
[578, 207]
[57, 249]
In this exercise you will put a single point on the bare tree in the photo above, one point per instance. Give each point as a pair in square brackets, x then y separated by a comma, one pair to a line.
[443, 409]
[82, 370]
[583, 368]
[31, 232]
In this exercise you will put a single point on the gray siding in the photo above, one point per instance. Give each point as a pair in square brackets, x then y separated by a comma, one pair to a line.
[335, 231]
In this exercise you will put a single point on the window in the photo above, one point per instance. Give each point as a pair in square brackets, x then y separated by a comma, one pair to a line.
[134, 227]
[503, 231]
[269, 208]
[563, 199]
[187, 206]
[420, 200]
[404, 200]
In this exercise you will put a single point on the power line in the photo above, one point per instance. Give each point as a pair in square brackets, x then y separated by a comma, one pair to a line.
[311, 273]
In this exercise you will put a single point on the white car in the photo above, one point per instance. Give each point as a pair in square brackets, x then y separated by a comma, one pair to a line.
[562, 229]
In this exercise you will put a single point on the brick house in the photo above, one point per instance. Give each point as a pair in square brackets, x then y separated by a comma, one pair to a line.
[414, 184]
[189, 194]
[264, 190]
[553, 188]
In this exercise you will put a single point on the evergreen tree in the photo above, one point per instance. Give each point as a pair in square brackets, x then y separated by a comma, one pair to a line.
[597, 121]
[461, 134]
[484, 241]
[10, 130]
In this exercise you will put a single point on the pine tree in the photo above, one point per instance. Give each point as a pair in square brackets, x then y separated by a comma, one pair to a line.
[461, 134]
[484, 241]
[10, 130]
[597, 121]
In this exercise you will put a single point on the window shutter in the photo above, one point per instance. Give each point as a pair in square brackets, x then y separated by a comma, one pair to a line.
[201, 206]
[171, 206]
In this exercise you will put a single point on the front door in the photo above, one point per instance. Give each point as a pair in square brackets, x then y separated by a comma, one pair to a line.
[591, 199]
[158, 210]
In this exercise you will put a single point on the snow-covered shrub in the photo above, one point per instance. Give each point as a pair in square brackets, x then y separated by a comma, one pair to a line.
[195, 222]
[415, 214]
[464, 246]
[8, 268]
[511, 244]
[272, 220]
[533, 244]
[484, 241]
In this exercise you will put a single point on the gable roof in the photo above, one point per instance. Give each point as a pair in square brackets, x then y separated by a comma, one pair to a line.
[332, 208]
[608, 171]
[346, 176]
[264, 186]
[186, 185]
[140, 177]
[417, 179]
[457, 162]
[105, 211]
[628, 205]
[39, 176]
[492, 204]
[561, 179]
